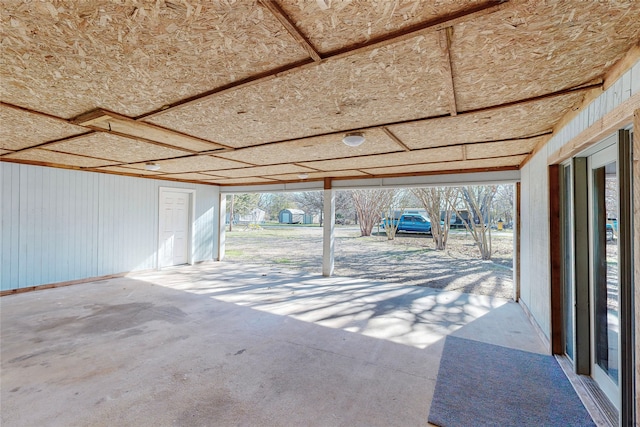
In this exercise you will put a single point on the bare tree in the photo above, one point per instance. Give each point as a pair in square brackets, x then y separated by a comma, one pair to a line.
[241, 204]
[393, 211]
[436, 200]
[503, 203]
[273, 203]
[369, 204]
[477, 200]
[313, 202]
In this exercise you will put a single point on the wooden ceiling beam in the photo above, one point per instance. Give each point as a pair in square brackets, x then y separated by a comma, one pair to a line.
[395, 139]
[580, 88]
[407, 33]
[588, 87]
[286, 22]
[463, 146]
[107, 121]
[445, 46]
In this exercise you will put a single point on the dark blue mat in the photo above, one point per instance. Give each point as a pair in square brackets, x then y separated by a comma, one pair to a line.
[482, 384]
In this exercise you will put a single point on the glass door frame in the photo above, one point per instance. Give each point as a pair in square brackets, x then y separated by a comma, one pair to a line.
[605, 154]
[579, 198]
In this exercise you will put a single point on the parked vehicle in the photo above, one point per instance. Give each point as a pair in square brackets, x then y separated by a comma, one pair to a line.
[610, 232]
[409, 223]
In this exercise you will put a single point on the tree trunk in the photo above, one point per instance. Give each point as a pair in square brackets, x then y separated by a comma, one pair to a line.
[233, 196]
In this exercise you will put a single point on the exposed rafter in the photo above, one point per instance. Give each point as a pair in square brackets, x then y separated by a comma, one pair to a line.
[580, 88]
[284, 19]
[395, 37]
[445, 45]
[395, 139]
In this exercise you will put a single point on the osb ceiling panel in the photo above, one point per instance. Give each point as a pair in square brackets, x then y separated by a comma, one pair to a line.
[516, 121]
[402, 82]
[113, 147]
[131, 56]
[502, 148]
[126, 170]
[444, 154]
[332, 25]
[54, 158]
[240, 181]
[318, 175]
[458, 166]
[193, 164]
[21, 129]
[317, 148]
[189, 176]
[532, 48]
[231, 72]
[262, 171]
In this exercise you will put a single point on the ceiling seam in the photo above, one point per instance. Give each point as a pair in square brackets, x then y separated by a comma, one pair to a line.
[392, 38]
[445, 46]
[274, 8]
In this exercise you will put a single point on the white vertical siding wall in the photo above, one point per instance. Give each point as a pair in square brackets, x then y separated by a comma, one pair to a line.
[535, 283]
[59, 225]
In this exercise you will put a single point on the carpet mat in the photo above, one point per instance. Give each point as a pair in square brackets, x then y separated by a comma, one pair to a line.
[482, 384]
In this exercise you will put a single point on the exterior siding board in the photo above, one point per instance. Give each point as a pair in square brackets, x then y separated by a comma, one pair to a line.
[60, 225]
[535, 287]
[634, 77]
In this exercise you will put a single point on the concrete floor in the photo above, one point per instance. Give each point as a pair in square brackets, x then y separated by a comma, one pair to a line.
[214, 345]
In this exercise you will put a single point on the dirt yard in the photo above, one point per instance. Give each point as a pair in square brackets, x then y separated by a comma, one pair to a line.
[409, 259]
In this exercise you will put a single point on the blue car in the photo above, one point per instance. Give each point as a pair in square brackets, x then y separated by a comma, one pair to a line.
[610, 232]
[410, 223]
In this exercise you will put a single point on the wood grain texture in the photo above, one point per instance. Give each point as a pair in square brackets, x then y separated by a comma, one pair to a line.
[262, 171]
[515, 121]
[54, 158]
[20, 129]
[107, 121]
[133, 57]
[317, 148]
[113, 147]
[447, 167]
[445, 45]
[559, 39]
[501, 148]
[358, 23]
[432, 155]
[318, 175]
[348, 93]
[241, 181]
[555, 261]
[284, 19]
[200, 163]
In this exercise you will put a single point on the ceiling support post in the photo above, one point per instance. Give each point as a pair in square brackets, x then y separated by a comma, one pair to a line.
[328, 236]
[220, 213]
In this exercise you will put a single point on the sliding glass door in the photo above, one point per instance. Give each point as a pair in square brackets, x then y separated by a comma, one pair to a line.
[604, 271]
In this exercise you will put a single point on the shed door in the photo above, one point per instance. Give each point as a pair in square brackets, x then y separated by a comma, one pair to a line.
[174, 228]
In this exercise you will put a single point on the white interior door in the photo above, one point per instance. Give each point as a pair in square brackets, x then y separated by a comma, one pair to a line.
[174, 228]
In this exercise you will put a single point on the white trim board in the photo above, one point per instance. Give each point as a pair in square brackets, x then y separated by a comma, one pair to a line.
[477, 178]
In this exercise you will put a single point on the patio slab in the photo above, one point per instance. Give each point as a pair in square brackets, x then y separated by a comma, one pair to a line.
[223, 344]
